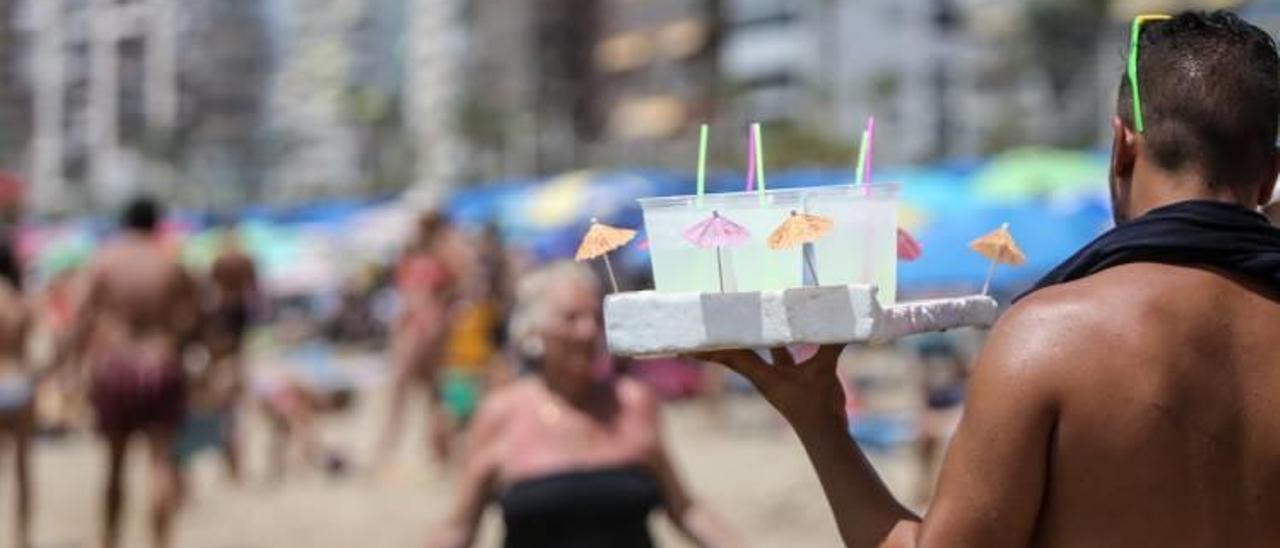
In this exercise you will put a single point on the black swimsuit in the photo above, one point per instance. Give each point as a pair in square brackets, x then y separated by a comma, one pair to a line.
[608, 507]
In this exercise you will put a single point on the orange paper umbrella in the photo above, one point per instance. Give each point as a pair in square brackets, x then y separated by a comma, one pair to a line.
[998, 245]
[799, 229]
[599, 241]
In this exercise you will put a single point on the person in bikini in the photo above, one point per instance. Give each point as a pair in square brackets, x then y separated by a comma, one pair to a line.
[17, 387]
[427, 282]
[232, 297]
[139, 314]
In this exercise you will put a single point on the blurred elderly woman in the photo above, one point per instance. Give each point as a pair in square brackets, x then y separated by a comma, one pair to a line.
[573, 455]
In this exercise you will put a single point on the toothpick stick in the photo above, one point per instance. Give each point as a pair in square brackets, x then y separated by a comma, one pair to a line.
[806, 250]
[720, 269]
[986, 285]
[609, 266]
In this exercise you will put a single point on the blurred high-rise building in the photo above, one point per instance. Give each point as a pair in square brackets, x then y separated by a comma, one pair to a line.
[103, 77]
[317, 146]
[220, 148]
[220, 103]
[155, 96]
[15, 108]
[581, 83]
[528, 85]
[923, 68]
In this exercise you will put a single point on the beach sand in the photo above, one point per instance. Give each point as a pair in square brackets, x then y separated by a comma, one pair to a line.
[748, 467]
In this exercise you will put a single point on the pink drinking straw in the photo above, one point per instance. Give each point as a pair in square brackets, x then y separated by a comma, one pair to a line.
[751, 159]
[871, 142]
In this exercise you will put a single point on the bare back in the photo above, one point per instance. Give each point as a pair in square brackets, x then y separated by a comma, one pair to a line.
[1168, 430]
[140, 298]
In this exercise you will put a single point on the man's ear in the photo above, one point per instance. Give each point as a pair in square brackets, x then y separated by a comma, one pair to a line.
[1124, 150]
[1268, 188]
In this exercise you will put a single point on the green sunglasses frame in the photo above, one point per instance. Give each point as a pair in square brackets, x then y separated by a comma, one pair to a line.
[1134, 34]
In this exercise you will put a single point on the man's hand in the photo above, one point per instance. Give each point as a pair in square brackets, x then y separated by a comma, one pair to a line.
[804, 393]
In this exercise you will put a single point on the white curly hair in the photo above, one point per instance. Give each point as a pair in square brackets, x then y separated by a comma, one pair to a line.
[530, 302]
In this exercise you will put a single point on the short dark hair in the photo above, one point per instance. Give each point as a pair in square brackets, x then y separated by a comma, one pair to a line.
[143, 214]
[1210, 85]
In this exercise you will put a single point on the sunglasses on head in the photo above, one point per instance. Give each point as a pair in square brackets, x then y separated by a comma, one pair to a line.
[1134, 33]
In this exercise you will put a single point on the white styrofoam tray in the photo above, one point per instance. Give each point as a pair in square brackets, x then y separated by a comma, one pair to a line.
[647, 323]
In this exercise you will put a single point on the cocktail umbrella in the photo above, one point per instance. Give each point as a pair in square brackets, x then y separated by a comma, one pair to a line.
[718, 232]
[599, 241]
[799, 229]
[999, 246]
[908, 248]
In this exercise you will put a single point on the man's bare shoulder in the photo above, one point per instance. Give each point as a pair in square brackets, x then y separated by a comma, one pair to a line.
[1061, 331]
[1123, 314]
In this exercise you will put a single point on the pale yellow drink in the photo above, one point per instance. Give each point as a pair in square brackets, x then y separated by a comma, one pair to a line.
[861, 247]
[679, 265]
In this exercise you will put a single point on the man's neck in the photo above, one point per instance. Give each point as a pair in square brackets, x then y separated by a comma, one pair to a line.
[1154, 188]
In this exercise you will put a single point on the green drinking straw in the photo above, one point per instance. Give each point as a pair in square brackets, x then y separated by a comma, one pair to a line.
[760, 186]
[1134, 33]
[862, 159]
[702, 163]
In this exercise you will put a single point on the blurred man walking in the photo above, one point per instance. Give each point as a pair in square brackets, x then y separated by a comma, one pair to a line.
[140, 311]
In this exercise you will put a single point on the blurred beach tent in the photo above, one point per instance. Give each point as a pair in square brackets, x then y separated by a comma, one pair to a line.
[270, 244]
[574, 198]
[1039, 173]
[57, 248]
[292, 259]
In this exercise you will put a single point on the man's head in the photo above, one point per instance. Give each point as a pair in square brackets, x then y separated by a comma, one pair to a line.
[1210, 97]
[142, 214]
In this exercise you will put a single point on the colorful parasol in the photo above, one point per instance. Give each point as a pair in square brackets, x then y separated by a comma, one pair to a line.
[599, 241]
[799, 229]
[908, 248]
[998, 246]
[718, 232]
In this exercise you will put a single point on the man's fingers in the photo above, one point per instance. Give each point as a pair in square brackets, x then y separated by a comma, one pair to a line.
[828, 355]
[744, 362]
[782, 357]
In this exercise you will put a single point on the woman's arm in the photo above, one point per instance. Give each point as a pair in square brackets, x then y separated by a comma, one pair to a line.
[478, 480]
[459, 528]
[689, 515]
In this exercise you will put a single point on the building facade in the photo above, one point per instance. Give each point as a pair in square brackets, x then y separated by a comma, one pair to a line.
[103, 78]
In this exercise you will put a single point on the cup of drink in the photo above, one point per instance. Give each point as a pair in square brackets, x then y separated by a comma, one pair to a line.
[679, 265]
[861, 247]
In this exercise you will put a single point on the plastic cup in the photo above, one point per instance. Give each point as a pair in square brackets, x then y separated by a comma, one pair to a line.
[680, 266]
[861, 247]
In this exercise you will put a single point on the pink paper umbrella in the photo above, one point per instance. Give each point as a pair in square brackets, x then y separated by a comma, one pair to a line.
[719, 232]
[908, 248]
